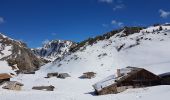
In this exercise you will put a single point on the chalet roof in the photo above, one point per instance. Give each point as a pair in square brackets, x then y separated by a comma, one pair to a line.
[105, 82]
[5, 76]
[113, 79]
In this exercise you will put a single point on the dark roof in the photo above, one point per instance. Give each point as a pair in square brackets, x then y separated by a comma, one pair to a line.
[133, 71]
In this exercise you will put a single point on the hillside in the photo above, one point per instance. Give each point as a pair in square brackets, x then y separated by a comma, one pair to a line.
[146, 48]
[18, 55]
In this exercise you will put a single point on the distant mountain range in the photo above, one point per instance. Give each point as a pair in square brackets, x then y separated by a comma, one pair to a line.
[54, 49]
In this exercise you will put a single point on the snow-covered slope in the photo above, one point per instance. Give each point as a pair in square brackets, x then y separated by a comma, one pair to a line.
[148, 49]
[5, 68]
[144, 49]
[53, 49]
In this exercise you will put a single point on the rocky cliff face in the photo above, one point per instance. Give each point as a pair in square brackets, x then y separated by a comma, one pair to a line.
[18, 55]
[54, 49]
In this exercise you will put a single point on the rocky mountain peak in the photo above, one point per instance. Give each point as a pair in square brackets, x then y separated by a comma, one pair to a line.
[53, 49]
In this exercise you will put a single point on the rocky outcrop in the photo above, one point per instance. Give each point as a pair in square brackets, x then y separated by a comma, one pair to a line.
[18, 55]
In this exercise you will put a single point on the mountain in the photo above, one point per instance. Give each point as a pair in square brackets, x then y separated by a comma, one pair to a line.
[54, 49]
[130, 46]
[18, 55]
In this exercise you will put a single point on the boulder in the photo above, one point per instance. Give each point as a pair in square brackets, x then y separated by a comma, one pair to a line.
[49, 75]
[63, 75]
[88, 75]
[13, 85]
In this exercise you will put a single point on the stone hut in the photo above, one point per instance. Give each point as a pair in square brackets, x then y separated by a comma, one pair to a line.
[88, 75]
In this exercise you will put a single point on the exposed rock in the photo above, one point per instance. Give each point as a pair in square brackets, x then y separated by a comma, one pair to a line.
[102, 55]
[54, 49]
[13, 85]
[49, 75]
[63, 75]
[132, 30]
[19, 55]
[118, 48]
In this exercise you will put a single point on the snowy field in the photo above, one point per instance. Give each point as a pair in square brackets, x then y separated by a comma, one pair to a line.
[151, 93]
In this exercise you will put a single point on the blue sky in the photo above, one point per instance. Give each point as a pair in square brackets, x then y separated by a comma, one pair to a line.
[35, 21]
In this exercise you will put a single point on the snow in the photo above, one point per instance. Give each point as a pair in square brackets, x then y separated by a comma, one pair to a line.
[151, 93]
[5, 51]
[125, 71]
[6, 37]
[105, 82]
[5, 68]
[152, 53]
[3, 35]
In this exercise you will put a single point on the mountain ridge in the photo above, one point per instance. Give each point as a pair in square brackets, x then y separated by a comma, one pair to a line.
[54, 49]
[18, 55]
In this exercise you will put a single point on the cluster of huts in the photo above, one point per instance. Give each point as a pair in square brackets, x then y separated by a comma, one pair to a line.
[130, 77]
[125, 78]
[14, 85]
